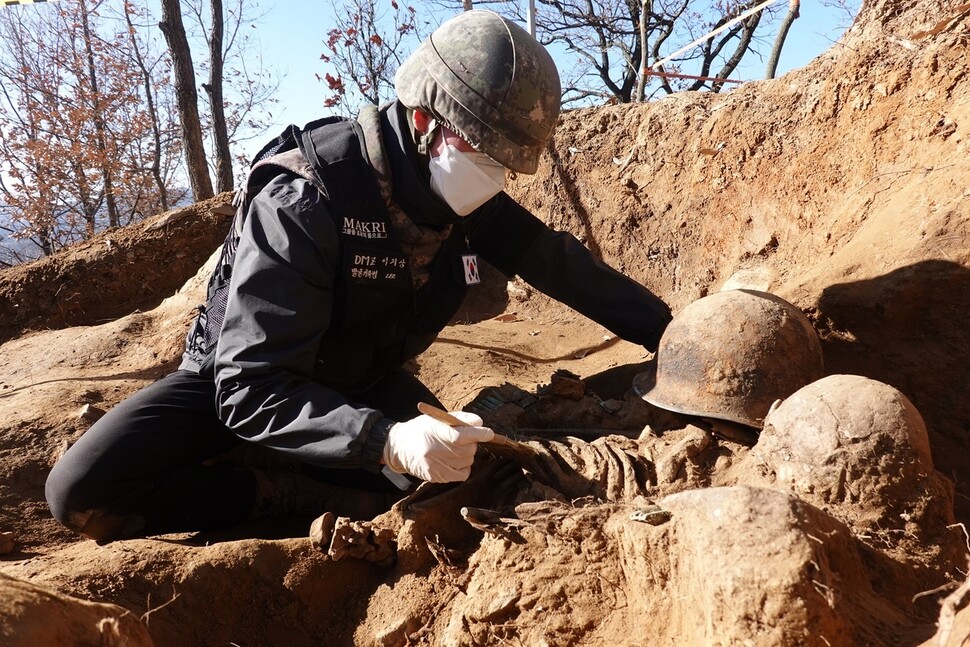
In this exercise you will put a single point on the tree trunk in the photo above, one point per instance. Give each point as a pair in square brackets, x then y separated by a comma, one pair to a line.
[188, 99]
[646, 8]
[780, 39]
[214, 90]
[105, 159]
[152, 113]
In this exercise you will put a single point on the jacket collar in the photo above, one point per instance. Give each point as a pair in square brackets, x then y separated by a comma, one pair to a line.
[411, 176]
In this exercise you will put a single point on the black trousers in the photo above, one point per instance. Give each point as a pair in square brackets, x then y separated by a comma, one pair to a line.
[146, 467]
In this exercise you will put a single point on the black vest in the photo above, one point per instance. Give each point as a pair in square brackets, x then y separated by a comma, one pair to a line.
[378, 321]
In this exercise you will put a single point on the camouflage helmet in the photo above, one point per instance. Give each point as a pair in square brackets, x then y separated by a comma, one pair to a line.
[488, 80]
[730, 355]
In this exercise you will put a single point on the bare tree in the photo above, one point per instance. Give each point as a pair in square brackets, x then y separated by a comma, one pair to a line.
[646, 9]
[214, 89]
[162, 141]
[729, 47]
[240, 90]
[364, 50]
[74, 132]
[101, 140]
[188, 98]
[609, 45]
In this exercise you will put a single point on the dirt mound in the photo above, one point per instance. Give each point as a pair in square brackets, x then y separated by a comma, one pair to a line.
[33, 615]
[113, 274]
[688, 581]
[841, 187]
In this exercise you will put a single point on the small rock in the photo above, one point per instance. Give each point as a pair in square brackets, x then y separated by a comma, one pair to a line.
[321, 531]
[90, 413]
[567, 385]
[8, 542]
[652, 514]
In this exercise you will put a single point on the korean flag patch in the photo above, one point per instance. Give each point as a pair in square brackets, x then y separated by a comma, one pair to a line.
[470, 263]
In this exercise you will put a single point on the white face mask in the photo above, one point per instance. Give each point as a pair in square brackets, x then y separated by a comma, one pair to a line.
[465, 181]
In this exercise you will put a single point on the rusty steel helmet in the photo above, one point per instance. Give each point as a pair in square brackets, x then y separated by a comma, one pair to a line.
[488, 80]
[730, 355]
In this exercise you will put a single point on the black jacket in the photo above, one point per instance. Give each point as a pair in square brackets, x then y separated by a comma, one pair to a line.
[300, 335]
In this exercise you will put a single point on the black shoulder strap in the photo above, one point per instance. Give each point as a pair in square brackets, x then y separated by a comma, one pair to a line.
[290, 138]
[284, 152]
[330, 153]
[338, 155]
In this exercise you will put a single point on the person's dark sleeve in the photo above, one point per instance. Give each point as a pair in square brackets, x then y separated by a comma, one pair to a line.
[557, 264]
[280, 304]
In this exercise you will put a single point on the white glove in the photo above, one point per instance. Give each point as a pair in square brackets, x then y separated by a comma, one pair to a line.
[432, 450]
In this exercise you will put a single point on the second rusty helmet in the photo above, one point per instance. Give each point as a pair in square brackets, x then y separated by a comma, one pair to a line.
[730, 355]
[488, 80]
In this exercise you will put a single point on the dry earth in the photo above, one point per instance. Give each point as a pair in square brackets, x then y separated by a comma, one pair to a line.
[843, 187]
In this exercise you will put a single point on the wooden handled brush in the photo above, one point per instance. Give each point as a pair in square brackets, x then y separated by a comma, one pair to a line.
[500, 445]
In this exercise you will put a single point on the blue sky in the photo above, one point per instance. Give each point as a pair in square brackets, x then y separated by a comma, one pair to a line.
[292, 33]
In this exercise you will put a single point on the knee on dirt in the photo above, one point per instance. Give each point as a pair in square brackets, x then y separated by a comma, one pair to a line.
[63, 490]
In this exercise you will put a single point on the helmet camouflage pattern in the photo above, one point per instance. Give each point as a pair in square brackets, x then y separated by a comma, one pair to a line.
[488, 80]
